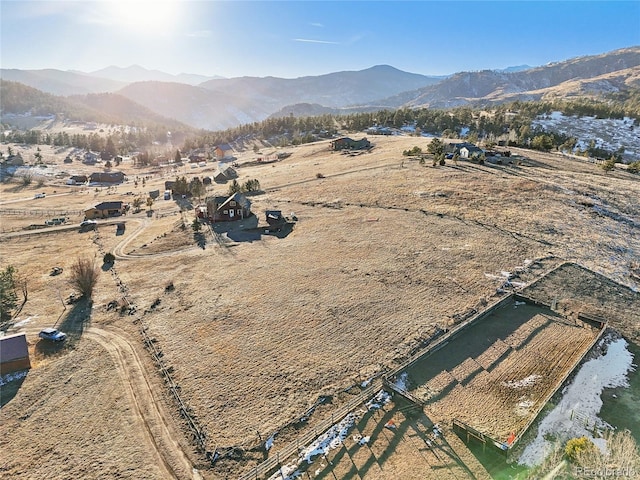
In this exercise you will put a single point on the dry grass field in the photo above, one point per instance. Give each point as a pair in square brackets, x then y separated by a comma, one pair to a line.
[497, 374]
[258, 328]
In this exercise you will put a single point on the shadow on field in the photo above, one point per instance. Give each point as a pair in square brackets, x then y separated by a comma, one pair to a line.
[345, 456]
[200, 239]
[17, 188]
[76, 320]
[10, 385]
[254, 235]
[245, 235]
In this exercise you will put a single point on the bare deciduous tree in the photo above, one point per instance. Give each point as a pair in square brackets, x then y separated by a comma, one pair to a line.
[84, 276]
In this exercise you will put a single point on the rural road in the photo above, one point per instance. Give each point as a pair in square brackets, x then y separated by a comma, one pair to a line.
[153, 421]
[149, 413]
[32, 199]
[119, 250]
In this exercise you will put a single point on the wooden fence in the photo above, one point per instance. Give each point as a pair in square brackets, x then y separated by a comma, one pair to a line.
[275, 461]
[40, 213]
[270, 465]
[452, 333]
[198, 433]
[461, 427]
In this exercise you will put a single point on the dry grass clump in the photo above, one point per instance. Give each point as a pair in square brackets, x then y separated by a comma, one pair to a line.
[622, 456]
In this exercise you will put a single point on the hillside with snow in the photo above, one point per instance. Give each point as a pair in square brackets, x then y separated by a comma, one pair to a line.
[610, 134]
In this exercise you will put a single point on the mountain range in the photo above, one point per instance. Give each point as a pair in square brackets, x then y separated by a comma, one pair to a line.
[216, 103]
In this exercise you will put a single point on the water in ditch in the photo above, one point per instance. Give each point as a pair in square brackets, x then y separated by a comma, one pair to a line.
[620, 405]
[619, 409]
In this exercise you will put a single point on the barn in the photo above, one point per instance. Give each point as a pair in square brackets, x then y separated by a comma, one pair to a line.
[106, 177]
[14, 353]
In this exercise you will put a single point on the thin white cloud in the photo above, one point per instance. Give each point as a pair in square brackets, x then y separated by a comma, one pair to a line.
[356, 38]
[308, 40]
[315, 24]
[200, 34]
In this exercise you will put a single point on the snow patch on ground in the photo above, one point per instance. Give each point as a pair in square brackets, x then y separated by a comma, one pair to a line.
[607, 133]
[269, 443]
[366, 383]
[401, 382]
[329, 440]
[22, 323]
[11, 377]
[525, 382]
[581, 402]
[379, 400]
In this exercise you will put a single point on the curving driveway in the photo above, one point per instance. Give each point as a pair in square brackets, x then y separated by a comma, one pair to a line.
[151, 416]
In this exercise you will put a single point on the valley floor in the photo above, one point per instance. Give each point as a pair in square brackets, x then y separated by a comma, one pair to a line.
[257, 329]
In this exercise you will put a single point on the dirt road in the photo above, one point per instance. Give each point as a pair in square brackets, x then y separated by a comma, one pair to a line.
[151, 418]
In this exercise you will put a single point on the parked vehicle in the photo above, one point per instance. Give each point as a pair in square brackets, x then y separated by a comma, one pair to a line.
[56, 271]
[52, 335]
[39, 195]
[88, 225]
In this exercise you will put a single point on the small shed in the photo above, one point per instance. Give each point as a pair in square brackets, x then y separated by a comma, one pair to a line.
[274, 217]
[14, 353]
[470, 151]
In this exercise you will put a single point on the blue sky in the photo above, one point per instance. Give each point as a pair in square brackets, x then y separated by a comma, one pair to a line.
[292, 39]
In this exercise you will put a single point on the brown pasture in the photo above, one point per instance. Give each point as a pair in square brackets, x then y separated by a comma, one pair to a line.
[258, 328]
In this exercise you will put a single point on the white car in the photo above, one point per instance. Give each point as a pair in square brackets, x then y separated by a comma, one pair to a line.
[88, 225]
[39, 195]
[52, 334]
